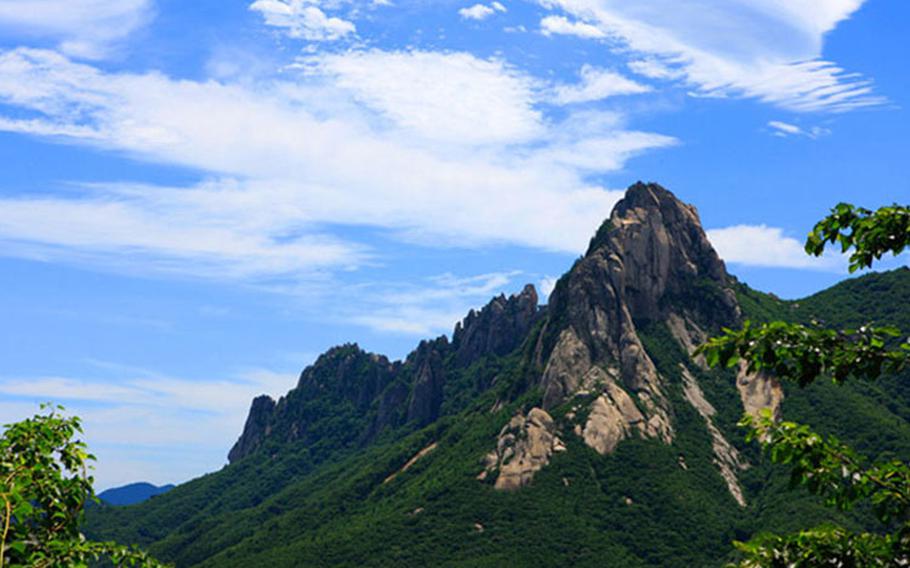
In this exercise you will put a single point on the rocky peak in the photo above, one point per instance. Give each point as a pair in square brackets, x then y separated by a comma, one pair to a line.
[257, 427]
[349, 372]
[343, 376]
[497, 329]
[667, 262]
[429, 380]
[649, 264]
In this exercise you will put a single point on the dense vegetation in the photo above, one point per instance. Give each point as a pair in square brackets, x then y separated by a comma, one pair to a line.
[332, 503]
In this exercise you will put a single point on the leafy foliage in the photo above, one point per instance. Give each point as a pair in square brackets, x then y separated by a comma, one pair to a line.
[832, 470]
[870, 234]
[44, 485]
[814, 548]
[825, 466]
[802, 353]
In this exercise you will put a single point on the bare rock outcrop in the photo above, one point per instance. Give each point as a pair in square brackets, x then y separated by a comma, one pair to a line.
[569, 362]
[668, 262]
[256, 429]
[612, 418]
[759, 391]
[430, 377]
[687, 333]
[410, 463]
[650, 262]
[641, 267]
[726, 457]
[497, 329]
[523, 447]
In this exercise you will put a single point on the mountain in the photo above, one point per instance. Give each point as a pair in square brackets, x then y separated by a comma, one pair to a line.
[580, 433]
[132, 494]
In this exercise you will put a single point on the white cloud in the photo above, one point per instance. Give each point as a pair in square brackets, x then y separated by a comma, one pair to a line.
[155, 234]
[476, 12]
[655, 69]
[430, 307]
[84, 28]
[766, 49]
[546, 286]
[452, 97]
[287, 157]
[149, 418]
[481, 11]
[785, 130]
[597, 84]
[560, 25]
[760, 245]
[607, 153]
[303, 19]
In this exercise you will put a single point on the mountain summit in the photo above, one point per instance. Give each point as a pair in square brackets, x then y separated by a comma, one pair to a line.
[649, 263]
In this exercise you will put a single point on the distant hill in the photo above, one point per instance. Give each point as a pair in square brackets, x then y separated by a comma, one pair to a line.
[577, 434]
[132, 494]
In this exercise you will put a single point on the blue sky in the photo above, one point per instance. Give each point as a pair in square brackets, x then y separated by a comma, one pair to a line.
[197, 198]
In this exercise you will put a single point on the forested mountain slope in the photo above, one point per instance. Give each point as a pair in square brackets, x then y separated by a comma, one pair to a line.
[581, 433]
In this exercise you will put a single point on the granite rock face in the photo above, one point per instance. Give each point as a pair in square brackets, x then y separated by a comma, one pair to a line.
[524, 447]
[758, 392]
[613, 417]
[497, 329]
[649, 264]
[668, 264]
[640, 268]
[726, 457]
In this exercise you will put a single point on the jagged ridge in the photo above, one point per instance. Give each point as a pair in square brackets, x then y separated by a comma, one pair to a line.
[393, 393]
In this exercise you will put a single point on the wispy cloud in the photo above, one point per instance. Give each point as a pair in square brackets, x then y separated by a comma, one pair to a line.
[597, 84]
[451, 97]
[785, 130]
[153, 231]
[431, 306]
[339, 144]
[84, 28]
[546, 286]
[560, 25]
[656, 68]
[761, 49]
[145, 417]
